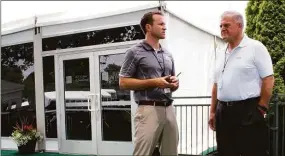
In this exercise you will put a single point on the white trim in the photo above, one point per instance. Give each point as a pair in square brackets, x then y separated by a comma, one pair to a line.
[16, 30]
[16, 43]
[7, 28]
[52, 145]
[17, 38]
[118, 147]
[102, 27]
[58, 106]
[92, 48]
[117, 50]
[100, 15]
[8, 144]
[79, 146]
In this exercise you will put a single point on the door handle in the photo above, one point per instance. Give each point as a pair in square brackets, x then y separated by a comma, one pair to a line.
[98, 106]
[88, 102]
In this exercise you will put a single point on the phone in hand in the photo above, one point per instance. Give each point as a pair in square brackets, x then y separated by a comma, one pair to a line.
[178, 74]
[168, 79]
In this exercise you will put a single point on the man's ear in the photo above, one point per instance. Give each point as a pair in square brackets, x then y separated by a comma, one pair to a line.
[240, 25]
[147, 27]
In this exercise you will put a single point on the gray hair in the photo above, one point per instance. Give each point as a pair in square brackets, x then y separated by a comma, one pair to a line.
[236, 15]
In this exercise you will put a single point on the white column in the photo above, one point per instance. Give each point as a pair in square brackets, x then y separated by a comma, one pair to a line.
[39, 87]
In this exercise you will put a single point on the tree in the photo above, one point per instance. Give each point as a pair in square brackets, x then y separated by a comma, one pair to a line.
[12, 74]
[15, 60]
[266, 23]
[113, 74]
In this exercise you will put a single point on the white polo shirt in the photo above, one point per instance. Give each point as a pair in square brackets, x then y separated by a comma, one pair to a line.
[239, 74]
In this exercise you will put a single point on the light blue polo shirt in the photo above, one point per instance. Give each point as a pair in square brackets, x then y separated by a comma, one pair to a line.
[239, 74]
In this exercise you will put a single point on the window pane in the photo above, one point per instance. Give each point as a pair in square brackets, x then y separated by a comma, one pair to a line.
[50, 101]
[115, 103]
[120, 34]
[77, 88]
[17, 86]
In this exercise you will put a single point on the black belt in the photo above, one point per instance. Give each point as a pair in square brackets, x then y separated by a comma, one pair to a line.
[233, 103]
[155, 103]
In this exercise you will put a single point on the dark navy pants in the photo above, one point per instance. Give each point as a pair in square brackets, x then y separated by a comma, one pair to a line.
[241, 129]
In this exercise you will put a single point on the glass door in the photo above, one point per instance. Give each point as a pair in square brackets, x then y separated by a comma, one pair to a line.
[115, 111]
[76, 102]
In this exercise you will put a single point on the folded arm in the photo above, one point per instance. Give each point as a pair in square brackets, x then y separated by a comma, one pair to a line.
[136, 84]
[142, 84]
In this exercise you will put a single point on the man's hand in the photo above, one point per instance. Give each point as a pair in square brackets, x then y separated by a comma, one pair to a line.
[263, 105]
[162, 82]
[262, 112]
[174, 82]
[212, 121]
[263, 109]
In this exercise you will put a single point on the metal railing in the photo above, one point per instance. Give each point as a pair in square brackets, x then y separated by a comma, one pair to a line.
[196, 138]
[276, 123]
[192, 113]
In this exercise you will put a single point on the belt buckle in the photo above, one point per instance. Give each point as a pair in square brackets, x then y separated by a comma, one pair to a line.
[229, 104]
[166, 104]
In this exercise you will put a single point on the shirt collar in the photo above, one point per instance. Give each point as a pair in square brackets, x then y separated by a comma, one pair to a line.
[147, 47]
[242, 44]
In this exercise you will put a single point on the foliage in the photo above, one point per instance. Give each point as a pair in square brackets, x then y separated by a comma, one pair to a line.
[266, 23]
[25, 132]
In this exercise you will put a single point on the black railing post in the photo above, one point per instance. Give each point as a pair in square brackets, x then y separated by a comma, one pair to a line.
[276, 128]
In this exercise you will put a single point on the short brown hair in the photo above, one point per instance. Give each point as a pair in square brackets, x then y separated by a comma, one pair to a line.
[148, 19]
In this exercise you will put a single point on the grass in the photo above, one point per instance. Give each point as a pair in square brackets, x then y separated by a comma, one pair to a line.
[14, 152]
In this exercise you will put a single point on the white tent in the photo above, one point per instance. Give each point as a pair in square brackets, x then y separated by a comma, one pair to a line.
[193, 50]
[192, 46]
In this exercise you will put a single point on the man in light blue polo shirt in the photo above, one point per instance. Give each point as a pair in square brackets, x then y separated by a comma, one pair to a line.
[242, 89]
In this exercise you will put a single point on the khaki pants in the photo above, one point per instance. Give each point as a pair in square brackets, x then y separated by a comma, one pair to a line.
[155, 125]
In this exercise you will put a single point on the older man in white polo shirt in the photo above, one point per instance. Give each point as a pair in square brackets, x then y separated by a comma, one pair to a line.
[241, 92]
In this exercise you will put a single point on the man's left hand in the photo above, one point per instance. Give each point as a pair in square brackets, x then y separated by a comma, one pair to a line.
[263, 109]
[174, 81]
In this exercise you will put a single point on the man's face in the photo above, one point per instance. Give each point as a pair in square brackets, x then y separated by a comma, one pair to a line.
[157, 29]
[230, 28]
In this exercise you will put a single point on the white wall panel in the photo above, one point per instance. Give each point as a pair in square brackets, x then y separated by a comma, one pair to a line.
[193, 51]
[17, 38]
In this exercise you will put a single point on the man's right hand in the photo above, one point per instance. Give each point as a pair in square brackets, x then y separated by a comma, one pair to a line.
[162, 82]
[212, 121]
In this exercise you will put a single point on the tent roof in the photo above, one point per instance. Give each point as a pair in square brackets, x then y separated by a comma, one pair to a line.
[69, 17]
